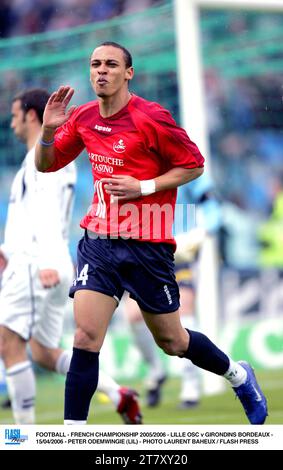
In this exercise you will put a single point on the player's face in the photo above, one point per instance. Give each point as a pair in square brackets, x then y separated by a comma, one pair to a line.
[18, 122]
[108, 73]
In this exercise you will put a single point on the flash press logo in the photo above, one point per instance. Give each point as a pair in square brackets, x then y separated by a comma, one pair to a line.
[13, 437]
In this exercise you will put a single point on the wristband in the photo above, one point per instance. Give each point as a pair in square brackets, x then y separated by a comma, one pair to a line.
[46, 144]
[147, 187]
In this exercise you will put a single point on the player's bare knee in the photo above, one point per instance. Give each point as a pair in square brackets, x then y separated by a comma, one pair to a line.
[12, 345]
[1, 340]
[5, 349]
[87, 340]
[167, 345]
[9, 341]
[45, 357]
[171, 346]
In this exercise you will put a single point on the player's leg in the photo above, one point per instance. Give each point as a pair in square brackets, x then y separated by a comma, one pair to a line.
[124, 399]
[96, 290]
[19, 376]
[93, 312]
[177, 341]
[17, 317]
[48, 331]
[146, 345]
[155, 288]
[47, 334]
[58, 360]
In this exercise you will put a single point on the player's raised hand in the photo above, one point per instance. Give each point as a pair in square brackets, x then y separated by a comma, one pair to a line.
[56, 113]
[49, 278]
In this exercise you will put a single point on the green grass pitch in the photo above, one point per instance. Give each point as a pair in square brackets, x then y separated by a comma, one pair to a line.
[217, 409]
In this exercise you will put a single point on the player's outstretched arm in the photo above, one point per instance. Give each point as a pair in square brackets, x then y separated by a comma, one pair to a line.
[125, 187]
[55, 115]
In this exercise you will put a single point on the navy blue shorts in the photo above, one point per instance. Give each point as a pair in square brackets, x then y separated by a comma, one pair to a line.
[144, 269]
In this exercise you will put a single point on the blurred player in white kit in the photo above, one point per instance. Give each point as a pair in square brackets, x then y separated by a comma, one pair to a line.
[37, 272]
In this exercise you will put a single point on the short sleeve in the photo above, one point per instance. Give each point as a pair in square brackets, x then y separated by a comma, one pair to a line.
[172, 142]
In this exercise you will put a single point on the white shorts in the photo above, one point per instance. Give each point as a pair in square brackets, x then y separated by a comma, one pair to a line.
[29, 309]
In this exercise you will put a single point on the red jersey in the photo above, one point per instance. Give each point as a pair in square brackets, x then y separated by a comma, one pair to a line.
[141, 140]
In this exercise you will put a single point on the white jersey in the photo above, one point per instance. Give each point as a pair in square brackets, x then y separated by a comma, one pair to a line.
[39, 214]
[36, 237]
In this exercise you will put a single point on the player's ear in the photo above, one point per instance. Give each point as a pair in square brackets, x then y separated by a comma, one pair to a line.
[129, 73]
[31, 115]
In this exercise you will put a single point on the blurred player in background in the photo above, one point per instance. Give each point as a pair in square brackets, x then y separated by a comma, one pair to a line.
[148, 156]
[37, 271]
[200, 194]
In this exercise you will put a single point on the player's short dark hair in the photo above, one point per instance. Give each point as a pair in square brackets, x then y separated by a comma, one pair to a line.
[127, 55]
[33, 98]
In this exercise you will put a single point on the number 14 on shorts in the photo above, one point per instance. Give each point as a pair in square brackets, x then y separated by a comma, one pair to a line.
[83, 276]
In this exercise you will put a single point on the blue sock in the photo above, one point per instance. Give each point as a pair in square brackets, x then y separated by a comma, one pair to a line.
[81, 383]
[204, 354]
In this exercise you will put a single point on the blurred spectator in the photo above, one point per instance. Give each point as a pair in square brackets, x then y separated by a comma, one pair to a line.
[270, 232]
[238, 236]
[7, 18]
[20, 17]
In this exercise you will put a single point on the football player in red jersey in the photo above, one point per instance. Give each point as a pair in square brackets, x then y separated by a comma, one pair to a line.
[139, 156]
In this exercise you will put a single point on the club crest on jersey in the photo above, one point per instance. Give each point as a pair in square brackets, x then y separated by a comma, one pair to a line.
[119, 146]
